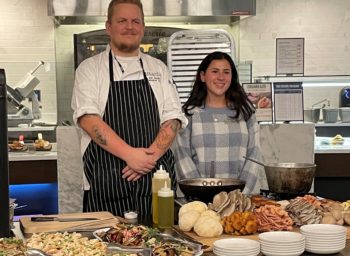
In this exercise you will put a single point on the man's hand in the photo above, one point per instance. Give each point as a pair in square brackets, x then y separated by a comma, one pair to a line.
[130, 174]
[141, 160]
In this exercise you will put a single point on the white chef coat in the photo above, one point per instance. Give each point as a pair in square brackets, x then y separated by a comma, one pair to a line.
[91, 87]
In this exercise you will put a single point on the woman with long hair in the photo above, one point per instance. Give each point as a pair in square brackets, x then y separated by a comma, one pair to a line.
[222, 127]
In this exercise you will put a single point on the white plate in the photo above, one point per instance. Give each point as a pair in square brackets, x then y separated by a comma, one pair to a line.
[325, 236]
[281, 237]
[323, 229]
[229, 253]
[283, 248]
[235, 243]
[221, 250]
[325, 245]
[272, 253]
[325, 242]
[324, 250]
[281, 244]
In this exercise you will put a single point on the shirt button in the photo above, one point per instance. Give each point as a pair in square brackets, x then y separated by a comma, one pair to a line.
[215, 119]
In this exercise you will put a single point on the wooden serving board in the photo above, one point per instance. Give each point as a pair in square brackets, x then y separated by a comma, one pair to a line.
[209, 241]
[105, 219]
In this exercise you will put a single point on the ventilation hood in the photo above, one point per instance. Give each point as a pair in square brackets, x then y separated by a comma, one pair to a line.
[92, 11]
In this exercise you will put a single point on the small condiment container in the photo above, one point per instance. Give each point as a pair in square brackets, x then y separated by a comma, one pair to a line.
[131, 217]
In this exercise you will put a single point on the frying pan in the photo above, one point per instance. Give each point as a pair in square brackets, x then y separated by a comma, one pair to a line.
[288, 178]
[204, 189]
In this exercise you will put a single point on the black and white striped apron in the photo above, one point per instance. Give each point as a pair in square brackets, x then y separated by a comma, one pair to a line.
[132, 112]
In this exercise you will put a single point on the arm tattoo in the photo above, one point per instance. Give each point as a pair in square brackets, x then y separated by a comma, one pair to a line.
[99, 136]
[164, 139]
[96, 132]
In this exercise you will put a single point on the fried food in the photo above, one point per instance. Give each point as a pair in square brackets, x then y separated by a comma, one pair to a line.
[240, 223]
[42, 145]
[17, 146]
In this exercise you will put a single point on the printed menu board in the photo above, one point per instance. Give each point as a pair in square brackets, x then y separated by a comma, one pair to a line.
[288, 101]
[289, 56]
[260, 94]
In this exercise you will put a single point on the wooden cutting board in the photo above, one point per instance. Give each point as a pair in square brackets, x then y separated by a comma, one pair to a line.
[105, 219]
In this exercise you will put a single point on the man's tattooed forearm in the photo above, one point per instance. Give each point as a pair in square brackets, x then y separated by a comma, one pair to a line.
[99, 136]
[164, 139]
[174, 125]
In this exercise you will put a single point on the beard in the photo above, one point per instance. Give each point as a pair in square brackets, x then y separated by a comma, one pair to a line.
[127, 48]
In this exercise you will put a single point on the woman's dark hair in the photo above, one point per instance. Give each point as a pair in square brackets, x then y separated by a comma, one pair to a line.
[236, 97]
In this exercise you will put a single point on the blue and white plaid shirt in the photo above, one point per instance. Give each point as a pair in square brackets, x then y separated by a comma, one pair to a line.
[213, 136]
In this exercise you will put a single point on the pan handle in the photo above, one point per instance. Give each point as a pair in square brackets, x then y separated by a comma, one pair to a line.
[253, 160]
[212, 170]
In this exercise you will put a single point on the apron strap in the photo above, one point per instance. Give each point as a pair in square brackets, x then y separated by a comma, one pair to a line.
[144, 73]
[111, 78]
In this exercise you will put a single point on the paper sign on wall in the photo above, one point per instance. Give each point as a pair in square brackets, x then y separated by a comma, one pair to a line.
[289, 56]
[260, 94]
[288, 101]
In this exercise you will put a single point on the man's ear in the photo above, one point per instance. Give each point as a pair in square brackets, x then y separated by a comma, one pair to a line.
[108, 27]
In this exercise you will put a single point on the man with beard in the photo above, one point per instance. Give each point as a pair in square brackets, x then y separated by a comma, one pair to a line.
[128, 111]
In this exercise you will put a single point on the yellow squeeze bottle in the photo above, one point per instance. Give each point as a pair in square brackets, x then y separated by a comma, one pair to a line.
[165, 207]
[159, 177]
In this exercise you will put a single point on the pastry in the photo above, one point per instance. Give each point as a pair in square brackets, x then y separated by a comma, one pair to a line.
[41, 144]
[337, 140]
[17, 146]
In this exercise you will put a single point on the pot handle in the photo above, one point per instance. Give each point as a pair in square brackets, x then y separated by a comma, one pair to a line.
[253, 160]
[212, 170]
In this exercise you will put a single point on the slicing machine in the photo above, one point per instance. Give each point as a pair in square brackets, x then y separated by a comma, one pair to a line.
[24, 89]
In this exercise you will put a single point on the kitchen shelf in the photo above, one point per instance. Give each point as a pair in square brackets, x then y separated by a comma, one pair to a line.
[321, 124]
[31, 129]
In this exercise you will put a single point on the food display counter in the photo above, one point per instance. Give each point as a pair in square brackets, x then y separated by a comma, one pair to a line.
[33, 180]
[332, 174]
[32, 155]
[208, 241]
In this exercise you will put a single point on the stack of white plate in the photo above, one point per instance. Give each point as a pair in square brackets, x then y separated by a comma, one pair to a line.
[282, 243]
[236, 247]
[324, 238]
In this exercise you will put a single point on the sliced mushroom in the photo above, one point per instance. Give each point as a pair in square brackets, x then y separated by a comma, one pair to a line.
[228, 210]
[220, 200]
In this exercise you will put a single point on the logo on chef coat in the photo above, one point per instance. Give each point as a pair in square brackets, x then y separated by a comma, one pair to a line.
[153, 76]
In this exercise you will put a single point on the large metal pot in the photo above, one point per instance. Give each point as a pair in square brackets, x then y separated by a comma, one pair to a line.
[204, 189]
[291, 178]
[288, 178]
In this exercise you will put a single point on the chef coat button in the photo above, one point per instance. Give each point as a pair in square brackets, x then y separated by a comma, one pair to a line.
[215, 119]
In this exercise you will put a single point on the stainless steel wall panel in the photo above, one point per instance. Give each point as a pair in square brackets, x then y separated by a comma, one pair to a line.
[156, 7]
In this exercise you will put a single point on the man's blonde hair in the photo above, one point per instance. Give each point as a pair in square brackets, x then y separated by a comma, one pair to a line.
[113, 3]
